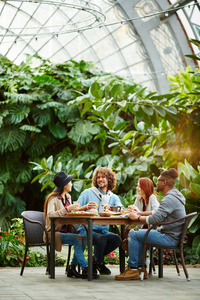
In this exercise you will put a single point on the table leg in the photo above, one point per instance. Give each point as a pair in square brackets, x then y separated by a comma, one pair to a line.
[160, 267]
[122, 252]
[90, 241]
[52, 250]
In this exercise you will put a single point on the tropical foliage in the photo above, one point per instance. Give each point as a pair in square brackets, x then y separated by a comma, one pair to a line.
[12, 248]
[73, 117]
[190, 188]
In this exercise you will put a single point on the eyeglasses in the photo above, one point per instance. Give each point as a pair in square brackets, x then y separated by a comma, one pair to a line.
[160, 179]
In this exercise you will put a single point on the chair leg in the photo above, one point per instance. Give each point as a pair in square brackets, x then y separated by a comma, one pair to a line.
[151, 265]
[143, 262]
[183, 264]
[23, 265]
[48, 260]
[68, 259]
[176, 263]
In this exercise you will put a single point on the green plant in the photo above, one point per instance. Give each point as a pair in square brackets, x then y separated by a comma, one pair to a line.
[190, 188]
[112, 258]
[12, 249]
[78, 117]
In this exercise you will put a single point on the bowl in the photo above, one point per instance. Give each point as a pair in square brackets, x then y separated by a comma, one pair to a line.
[105, 214]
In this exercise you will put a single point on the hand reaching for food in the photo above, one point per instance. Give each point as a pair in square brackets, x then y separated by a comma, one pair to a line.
[92, 205]
[73, 207]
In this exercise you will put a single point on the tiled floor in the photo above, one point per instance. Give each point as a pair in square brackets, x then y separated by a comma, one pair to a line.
[34, 284]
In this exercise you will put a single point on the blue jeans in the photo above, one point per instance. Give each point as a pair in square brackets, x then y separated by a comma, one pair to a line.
[104, 242]
[79, 242]
[135, 244]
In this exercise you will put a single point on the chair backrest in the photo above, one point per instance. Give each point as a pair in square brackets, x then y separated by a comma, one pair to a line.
[188, 218]
[34, 226]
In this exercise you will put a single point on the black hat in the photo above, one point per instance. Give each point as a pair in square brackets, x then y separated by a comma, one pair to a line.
[60, 180]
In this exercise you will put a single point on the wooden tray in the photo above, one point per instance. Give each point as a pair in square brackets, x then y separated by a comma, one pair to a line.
[87, 214]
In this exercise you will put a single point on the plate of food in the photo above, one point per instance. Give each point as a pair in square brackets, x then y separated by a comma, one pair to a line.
[117, 213]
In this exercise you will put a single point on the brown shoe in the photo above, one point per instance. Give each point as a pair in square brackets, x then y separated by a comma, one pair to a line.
[146, 276]
[128, 274]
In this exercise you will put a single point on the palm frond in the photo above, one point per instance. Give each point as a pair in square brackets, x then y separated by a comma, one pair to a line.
[24, 176]
[39, 144]
[58, 130]
[82, 132]
[10, 166]
[42, 117]
[1, 187]
[12, 138]
[30, 128]
[50, 105]
[17, 113]
[68, 113]
[18, 98]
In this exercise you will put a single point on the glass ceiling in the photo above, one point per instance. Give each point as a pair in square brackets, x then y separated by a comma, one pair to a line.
[141, 39]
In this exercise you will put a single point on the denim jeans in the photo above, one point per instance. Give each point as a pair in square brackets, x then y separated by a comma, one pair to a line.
[135, 244]
[104, 242]
[79, 242]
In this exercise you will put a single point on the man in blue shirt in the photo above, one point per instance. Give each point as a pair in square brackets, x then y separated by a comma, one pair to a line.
[100, 196]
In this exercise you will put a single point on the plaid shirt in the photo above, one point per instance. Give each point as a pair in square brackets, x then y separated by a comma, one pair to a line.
[65, 203]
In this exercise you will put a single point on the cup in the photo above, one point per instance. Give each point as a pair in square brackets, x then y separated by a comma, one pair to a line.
[115, 208]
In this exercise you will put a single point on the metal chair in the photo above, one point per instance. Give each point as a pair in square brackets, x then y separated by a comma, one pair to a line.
[179, 248]
[34, 226]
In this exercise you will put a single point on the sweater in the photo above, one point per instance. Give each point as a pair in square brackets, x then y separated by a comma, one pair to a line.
[55, 208]
[172, 207]
[87, 196]
[152, 205]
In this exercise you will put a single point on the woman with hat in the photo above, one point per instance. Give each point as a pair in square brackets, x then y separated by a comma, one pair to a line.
[58, 203]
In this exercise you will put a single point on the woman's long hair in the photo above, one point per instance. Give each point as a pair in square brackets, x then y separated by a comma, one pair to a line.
[147, 186]
[47, 200]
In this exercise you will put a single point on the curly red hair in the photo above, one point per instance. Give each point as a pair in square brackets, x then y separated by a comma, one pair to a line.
[110, 175]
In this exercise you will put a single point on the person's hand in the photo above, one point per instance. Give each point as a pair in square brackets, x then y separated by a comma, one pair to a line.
[133, 216]
[107, 206]
[73, 207]
[133, 208]
[92, 205]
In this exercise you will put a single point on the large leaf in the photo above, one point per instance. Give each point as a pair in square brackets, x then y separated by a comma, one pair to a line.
[42, 117]
[12, 138]
[30, 128]
[17, 113]
[147, 109]
[96, 90]
[58, 130]
[77, 185]
[194, 224]
[83, 131]
[196, 245]
[195, 188]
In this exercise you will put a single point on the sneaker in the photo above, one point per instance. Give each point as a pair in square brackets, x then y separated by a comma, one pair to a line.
[103, 270]
[146, 276]
[85, 274]
[128, 274]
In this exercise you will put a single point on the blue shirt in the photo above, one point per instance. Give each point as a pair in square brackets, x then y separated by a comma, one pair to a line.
[88, 196]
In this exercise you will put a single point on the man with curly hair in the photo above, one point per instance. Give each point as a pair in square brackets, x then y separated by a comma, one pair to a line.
[100, 196]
